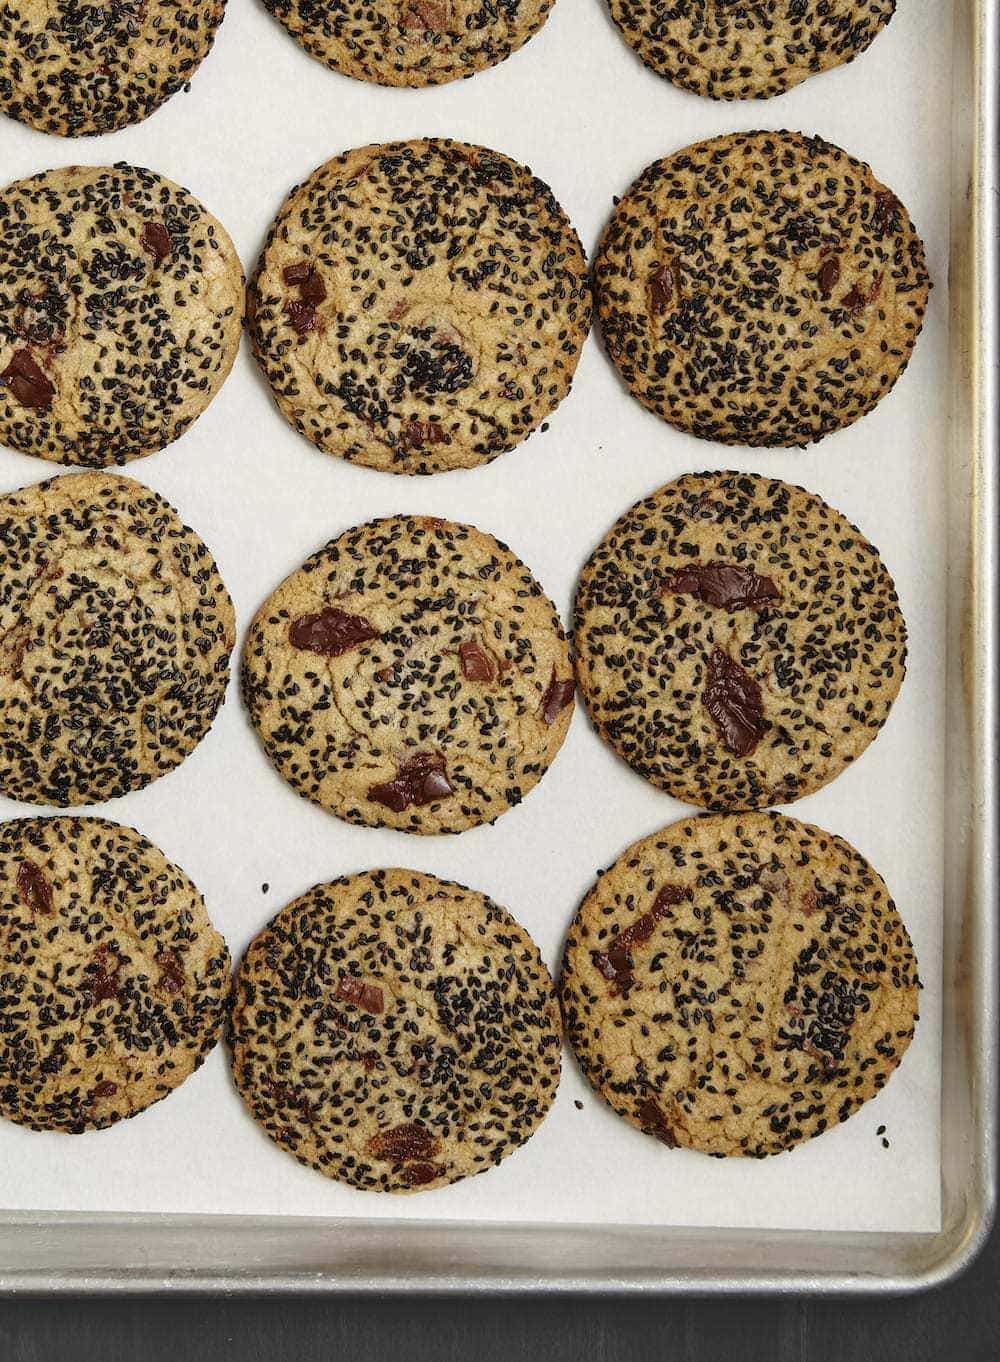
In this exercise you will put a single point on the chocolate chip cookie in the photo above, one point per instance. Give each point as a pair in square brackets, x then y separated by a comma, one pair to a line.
[419, 306]
[395, 1031]
[738, 641]
[762, 288]
[748, 51]
[74, 69]
[115, 636]
[411, 42]
[113, 981]
[412, 674]
[121, 302]
[738, 984]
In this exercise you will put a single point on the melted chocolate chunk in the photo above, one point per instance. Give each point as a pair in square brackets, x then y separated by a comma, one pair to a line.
[726, 585]
[733, 699]
[171, 978]
[654, 1122]
[156, 239]
[105, 1089]
[29, 384]
[417, 1174]
[558, 695]
[302, 316]
[662, 287]
[420, 780]
[829, 274]
[288, 1095]
[430, 16]
[313, 290]
[416, 434]
[476, 664]
[330, 632]
[103, 982]
[400, 1143]
[39, 317]
[368, 997]
[296, 274]
[616, 962]
[884, 216]
[34, 889]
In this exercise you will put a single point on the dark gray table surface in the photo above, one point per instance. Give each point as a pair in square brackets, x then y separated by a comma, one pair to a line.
[960, 1323]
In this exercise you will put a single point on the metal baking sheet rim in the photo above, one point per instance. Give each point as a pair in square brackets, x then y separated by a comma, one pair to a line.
[137, 1255]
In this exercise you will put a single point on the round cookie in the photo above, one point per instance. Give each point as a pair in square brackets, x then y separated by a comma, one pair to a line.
[412, 674]
[419, 306]
[115, 636]
[738, 984]
[77, 69]
[411, 42]
[738, 641]
[121, 302]
[395, 1031]
[760, 289]
[743, 51]
[114, 983]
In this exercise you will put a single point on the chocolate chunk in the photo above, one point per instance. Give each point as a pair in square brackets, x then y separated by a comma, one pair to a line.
[171, 978]
[288, 1095]
[105, 1089]
[829, 274]
[616, 962]
[417, 1174]
[654, 1122]
[420, 780]
[38, 317]
[418, 433]
[409, 1141]
[733, 699]
[368, 997]
[430, 16]
[725, 585]
[809, 903]
[156, 239]
[103, 982]
[312, 290]
[557, 696]
[662, 286]
[330, 632]
[302, 316]
[476, 664]
[296, 274]
[34, 889]
[29, 384]
[885, 214]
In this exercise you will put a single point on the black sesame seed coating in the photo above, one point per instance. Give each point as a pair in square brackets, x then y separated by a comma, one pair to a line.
[455, 306]
[78, 69]
[411, 42]
[768, 1003]
[115, 637]
[337, 726]
[455, 1044]
[134, 344]
[760, 289]
[113, 982]
[828, 652]
[748, 51]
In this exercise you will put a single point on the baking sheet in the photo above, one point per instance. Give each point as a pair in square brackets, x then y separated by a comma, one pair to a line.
[579, 108]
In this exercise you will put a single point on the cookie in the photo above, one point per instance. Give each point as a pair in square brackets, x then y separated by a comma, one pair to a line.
[411, 42]
[395, 1031]
[419, 306]
[748, 51]
[738, 984]
[412, 674]
[115, 636]
[113, 981]
[738, 641]
[760, 289]
[77, 69]
[121, 302]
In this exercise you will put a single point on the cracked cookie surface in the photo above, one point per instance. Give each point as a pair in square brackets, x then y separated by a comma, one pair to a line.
[761, 289]
[411, 674]
[419, 306]
[77, 69]
[121, 303]
[113, 981]
[738, 984]
[115, 637]
[411, 42]
[738, 641]
[395, 1031]
[748, 51]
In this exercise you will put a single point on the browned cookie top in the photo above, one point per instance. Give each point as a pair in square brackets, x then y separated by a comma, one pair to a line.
[739, 983]
[420, 306]
[395, 1031]
[762, 288]
[738, 641]
[411, 674]
[727, 49]
[113, 982]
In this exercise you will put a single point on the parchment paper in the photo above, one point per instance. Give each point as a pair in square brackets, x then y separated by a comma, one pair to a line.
[579, 108]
